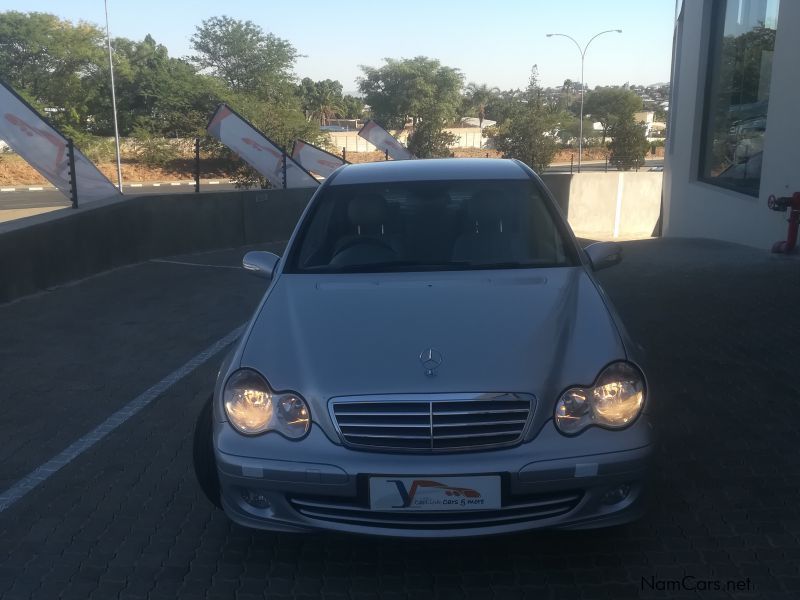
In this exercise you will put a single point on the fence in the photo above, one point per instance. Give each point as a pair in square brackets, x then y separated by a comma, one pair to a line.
[466, 137]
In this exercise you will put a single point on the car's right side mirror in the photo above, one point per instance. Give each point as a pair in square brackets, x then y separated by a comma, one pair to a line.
[604, 254]
[260, 264]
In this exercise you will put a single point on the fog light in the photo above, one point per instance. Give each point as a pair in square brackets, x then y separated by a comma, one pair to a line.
[616, 494]
[255, 498]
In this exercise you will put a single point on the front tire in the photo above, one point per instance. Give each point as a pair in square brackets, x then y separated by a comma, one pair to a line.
[205, 467]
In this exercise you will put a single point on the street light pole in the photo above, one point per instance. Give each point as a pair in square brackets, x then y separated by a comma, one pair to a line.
[113, 101]
[583, 56]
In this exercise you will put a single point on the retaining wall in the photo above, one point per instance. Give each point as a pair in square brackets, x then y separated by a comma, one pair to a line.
[40, 252]
[618, 205]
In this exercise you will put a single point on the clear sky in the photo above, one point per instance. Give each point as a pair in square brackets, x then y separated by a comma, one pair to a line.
[494, 42]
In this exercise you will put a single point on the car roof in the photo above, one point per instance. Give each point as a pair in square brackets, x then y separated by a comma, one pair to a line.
[434, 169]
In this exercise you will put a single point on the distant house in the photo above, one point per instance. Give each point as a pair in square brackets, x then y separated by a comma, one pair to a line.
[645, 117]
[475, 122]
[734, 134]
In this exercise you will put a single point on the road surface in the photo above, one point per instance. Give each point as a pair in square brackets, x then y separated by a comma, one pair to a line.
[125, 518]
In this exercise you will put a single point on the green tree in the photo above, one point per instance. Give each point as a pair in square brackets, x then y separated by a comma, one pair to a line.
[429, 139]
[352, 107]
[155, 93]
[321, 100]
[609, 105]
[50, 62]
[529, 134]
[569, 129]
[628, 144]
[411, 88]
[504, 105]
[242, 55]
[478, 98]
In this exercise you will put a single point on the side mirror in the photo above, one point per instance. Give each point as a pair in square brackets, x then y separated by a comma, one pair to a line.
[604, 254]
[260, 264]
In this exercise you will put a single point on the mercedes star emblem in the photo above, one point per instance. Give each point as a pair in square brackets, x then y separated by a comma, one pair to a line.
[430, 359]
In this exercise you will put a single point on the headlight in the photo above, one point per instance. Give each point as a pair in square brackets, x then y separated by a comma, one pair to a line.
[252, 407]
[614, 401]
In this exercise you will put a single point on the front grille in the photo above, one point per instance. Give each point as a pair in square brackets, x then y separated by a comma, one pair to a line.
[525, 509]
[438, 423]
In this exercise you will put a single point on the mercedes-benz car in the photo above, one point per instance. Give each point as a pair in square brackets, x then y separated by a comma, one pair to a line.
[433, 356]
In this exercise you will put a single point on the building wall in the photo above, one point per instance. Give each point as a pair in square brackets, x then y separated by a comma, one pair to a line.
[467, 137]
[696, 209]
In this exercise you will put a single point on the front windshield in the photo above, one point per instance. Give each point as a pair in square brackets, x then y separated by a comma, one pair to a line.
[429, 226]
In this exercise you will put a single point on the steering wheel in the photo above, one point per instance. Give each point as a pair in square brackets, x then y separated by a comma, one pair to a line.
[365, 241]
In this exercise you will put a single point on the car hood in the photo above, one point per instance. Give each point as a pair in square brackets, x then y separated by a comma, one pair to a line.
[528, 331]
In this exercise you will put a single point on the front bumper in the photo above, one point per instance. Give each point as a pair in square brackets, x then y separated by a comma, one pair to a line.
[549, 482]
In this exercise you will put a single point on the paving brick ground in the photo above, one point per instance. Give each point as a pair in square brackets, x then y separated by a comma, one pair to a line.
[127, 520]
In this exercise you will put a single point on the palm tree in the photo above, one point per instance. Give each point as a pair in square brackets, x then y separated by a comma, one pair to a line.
[321, 99]
[478, 97]
[326, 103]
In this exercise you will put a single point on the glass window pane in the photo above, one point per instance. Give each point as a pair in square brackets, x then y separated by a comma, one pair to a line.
[430, 226]
[740, 68]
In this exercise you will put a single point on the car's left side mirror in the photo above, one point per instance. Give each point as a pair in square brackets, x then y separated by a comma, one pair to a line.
[260, 264]
[604, 254]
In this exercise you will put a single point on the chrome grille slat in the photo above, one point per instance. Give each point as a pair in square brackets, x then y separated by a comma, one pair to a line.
[471, 435]
[468, 424]
[448, 422]
[397, 437]
[530, 509]
[479, 412]
[425, 426]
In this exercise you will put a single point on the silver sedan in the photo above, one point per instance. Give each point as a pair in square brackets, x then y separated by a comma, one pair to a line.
[432, 357]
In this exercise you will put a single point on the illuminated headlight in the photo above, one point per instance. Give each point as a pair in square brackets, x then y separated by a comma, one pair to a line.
[253, 408]
[614, 401]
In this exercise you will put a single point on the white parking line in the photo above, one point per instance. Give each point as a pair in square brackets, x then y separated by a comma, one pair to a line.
[35, 189]
[175, 183]
[135, 185]
[213, 182]
[8, 189]
[156, 184]
[43, 472]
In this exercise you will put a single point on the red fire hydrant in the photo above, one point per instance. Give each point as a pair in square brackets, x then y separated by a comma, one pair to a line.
[792, 204]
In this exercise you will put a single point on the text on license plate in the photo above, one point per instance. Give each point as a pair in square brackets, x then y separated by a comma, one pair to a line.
[435, 493]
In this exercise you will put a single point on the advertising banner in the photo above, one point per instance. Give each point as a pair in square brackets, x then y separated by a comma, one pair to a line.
[383, 140]
[45, 149]
[316, 160]
[256, 149]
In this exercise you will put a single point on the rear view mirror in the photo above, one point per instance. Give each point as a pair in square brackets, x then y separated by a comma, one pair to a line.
[604, 254]
[260, 264]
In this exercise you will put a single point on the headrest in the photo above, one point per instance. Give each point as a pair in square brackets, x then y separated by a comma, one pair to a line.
[367, 210]
[489, 207]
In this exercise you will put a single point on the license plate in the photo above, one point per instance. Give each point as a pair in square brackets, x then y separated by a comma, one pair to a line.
[434, 493]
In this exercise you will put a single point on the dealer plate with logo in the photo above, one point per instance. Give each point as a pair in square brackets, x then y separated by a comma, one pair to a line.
[435, 493]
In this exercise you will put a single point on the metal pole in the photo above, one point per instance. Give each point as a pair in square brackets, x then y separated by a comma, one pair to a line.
[344, 153]
[571, 161]
[583, 56]
[580, 138]
[196, 165]
[113, 101]
[386, 154]
[283, 169]
[73, 183]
